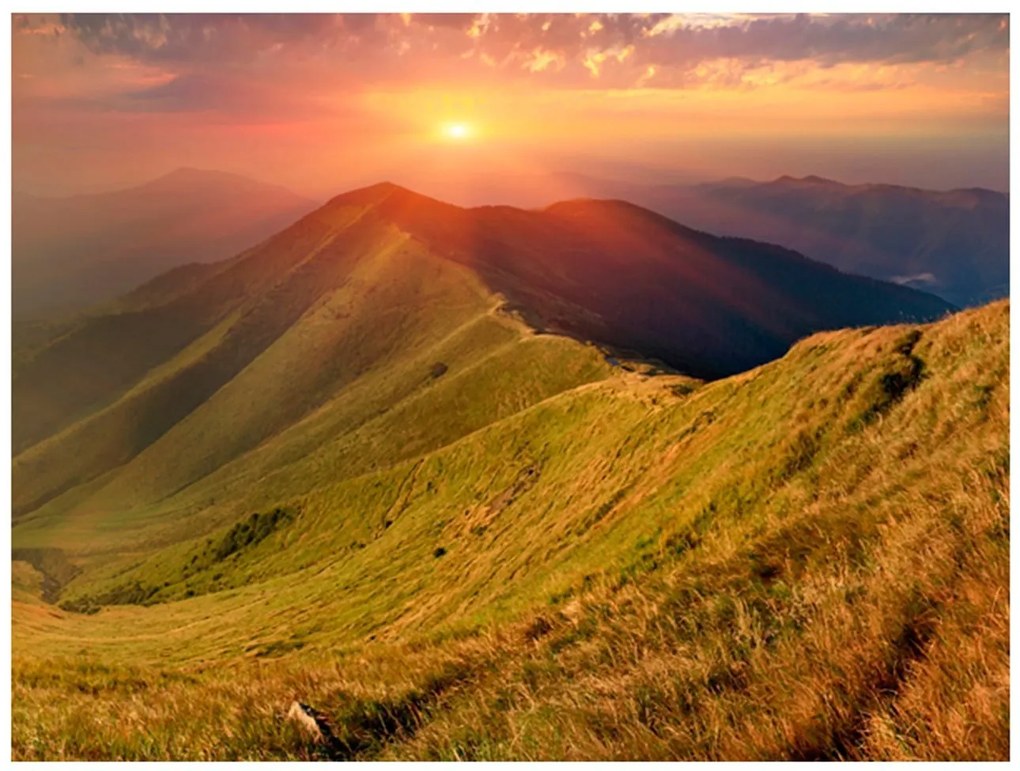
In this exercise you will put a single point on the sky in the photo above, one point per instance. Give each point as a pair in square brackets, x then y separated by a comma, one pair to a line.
[324, 103]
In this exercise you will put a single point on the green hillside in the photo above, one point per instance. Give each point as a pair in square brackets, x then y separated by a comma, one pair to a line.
[459, 539]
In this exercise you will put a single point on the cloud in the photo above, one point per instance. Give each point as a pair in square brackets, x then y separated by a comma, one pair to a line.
[680, 41]
[209, 60]
[204, 37]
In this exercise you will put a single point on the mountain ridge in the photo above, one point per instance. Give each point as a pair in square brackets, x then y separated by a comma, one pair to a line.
[955, 240]
[952, 243]
[814, 179]
[148, 367]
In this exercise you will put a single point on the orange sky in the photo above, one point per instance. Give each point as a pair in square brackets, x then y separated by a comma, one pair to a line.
[323, 103]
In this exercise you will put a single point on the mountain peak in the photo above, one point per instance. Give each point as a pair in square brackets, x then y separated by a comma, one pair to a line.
[585, 205]
[184, 171]
[379, 192]
[811, 179]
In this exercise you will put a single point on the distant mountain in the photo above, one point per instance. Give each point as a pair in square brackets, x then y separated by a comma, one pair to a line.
[952, 243]
[69, 253]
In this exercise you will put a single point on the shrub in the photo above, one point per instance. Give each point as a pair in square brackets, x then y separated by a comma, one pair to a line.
[249, 532]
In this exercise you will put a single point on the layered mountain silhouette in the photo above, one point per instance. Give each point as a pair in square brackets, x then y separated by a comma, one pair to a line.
[952, 243]
[73, 252]
[361, 281]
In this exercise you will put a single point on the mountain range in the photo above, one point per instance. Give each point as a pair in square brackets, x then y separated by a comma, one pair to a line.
[492, 483]
[604, 271]
[954, 243]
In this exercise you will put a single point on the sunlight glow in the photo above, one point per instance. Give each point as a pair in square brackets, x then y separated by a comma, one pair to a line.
[458, 131]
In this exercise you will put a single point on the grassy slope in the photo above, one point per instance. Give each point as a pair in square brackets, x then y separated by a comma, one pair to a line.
[809, 560]
[193, 371]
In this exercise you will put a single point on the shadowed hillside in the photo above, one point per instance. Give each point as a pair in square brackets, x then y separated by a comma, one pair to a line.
[952, 243]
[614, 272]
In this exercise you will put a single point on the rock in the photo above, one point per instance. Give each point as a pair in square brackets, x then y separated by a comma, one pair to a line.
[309, 721]
[316, 726]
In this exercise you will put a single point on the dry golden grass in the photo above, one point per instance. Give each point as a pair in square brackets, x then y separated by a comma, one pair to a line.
[842, 596]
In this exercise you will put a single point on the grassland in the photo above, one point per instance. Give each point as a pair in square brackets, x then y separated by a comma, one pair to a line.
[534, 555]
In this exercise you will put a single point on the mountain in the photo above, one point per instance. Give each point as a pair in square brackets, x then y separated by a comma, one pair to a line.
[616, 273]
[601, 270]
[361, 466]
[70, 253]
[952, 243]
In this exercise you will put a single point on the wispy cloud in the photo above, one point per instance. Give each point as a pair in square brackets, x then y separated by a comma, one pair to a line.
[617, 48]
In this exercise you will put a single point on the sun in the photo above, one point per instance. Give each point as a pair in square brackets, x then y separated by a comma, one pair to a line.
[457, 131]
